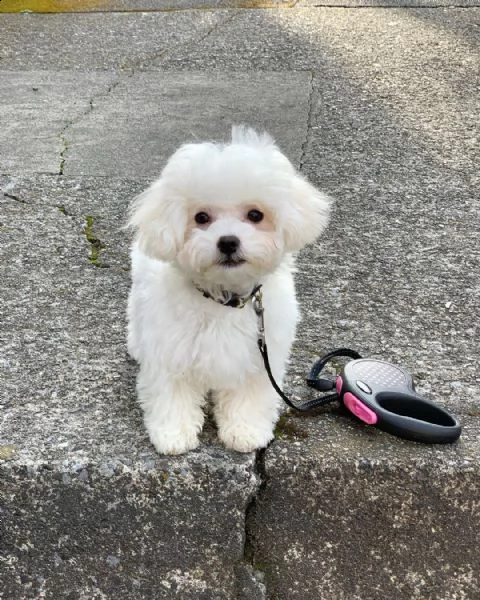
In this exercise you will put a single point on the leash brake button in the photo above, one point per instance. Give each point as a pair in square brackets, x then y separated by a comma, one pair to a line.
[359, 409]
[364, 387]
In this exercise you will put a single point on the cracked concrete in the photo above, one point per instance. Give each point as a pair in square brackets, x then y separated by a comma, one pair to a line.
[257, 576]
[378, 106]
[76, 120]
[145, 62]
[109, 138]
[42, 103]
[309, 123]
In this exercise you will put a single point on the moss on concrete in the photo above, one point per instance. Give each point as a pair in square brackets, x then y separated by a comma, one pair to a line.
[287, 429]
[96, 245]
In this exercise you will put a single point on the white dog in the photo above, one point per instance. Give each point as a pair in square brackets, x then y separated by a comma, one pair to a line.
[220, 220]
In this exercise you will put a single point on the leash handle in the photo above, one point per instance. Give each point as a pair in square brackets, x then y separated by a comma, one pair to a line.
[382, 394]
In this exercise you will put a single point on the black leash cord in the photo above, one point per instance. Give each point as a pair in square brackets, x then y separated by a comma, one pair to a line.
[312, 379]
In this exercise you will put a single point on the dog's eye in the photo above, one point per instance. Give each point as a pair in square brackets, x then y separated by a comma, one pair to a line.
[202, 218]
[255, 215]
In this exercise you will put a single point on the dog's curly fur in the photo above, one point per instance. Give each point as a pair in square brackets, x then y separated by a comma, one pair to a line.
[188, 345]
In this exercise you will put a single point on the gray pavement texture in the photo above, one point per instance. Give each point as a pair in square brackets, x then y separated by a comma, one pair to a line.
[377, 106]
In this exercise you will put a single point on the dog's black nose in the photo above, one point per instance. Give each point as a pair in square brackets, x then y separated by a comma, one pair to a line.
[228, 244]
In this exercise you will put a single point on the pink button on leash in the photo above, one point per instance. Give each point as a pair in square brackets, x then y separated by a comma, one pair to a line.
[359, 409]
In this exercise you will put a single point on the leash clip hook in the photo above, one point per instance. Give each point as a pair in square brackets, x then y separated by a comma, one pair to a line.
[259, 311]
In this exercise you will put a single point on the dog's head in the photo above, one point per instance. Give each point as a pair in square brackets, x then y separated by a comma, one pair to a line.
[227, 214]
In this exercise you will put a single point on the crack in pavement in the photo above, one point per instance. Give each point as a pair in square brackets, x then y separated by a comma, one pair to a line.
[13, 197]
[7, 191]
[161, 54]
[257, 572]
[309, 122]
[77, 119]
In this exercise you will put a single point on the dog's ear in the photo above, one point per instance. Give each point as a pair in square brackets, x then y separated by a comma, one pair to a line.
[158, 217]
[306, 216]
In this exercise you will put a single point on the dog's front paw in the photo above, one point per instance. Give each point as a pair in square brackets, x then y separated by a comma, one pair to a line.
[245, 437]
[173, 442]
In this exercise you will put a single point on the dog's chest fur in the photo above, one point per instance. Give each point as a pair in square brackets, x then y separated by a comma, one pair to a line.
[212, 345]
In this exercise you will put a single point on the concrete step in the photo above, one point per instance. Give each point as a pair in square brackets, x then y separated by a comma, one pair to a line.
[347, 512]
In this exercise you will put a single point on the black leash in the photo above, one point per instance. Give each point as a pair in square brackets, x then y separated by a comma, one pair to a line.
[322, 385]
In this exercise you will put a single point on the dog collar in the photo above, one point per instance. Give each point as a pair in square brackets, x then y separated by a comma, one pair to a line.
[230, 298]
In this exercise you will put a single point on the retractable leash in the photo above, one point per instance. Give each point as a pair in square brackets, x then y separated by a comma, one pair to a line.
[376, 392]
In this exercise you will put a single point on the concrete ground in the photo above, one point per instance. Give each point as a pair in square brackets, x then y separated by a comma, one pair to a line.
[377, 104]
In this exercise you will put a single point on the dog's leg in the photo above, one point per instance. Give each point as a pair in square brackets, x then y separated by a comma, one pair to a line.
[173, 412]
[246, 416]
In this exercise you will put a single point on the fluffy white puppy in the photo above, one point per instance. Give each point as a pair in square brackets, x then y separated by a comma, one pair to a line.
[221, 219]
